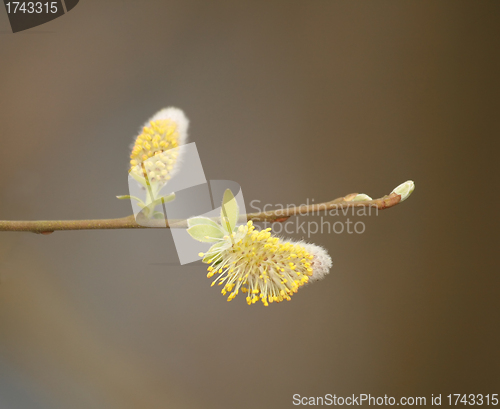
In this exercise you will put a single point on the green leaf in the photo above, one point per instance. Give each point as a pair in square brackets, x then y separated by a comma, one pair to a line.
[164, 199]
[229, 211]
[193, 221]
[148, 210]
[124, 197]
[205, 233]
[214, 253]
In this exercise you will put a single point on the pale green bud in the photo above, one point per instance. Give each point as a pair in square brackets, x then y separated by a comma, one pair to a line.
[361, 198]
[405, 189]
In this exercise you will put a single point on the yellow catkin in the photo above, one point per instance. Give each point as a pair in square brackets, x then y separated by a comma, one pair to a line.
[261, 266]
[154, 153]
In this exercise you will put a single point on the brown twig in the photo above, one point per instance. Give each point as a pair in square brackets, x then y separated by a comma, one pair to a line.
[129, 222]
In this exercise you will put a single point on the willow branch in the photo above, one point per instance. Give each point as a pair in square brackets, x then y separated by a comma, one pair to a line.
[129, 222]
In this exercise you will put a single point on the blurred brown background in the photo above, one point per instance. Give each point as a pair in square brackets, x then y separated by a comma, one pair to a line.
[293, 100]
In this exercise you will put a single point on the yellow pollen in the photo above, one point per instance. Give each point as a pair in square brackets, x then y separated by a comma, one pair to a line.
[153, 147]
[260, 266]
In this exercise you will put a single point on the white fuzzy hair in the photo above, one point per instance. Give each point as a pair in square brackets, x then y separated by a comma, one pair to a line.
[176, 115]
[321, 262]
